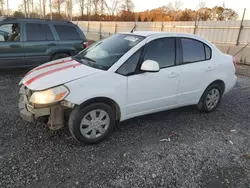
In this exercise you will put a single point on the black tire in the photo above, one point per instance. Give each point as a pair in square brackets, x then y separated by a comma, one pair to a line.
[202, 105]
[78, 114]
[59, 56]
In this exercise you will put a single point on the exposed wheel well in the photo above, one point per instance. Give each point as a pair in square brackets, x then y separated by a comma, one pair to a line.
[107, 101]
[220, 83]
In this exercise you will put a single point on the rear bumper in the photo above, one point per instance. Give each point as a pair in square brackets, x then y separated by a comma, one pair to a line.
[230, 85]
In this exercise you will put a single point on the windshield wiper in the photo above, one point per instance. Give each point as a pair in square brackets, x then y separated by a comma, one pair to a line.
[77, 59]
[88, 60]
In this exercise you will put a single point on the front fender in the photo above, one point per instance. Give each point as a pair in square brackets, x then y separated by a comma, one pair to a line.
[103, 85]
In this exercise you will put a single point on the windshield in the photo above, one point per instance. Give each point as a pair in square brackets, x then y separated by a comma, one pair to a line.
[105, 53]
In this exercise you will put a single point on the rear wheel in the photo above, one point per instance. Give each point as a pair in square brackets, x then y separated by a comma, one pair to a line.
[210, 99]
[92, 124]
[59, 56]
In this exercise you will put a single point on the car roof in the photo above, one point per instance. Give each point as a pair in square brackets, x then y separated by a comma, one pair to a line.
[7, 19]
[155, 33]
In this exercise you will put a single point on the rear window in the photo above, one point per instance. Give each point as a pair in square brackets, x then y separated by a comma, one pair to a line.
[193, 50]
[66, 32]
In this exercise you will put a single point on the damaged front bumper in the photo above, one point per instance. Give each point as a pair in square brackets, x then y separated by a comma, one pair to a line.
[54, 113]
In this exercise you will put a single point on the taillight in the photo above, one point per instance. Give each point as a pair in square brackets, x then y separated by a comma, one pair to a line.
[234, 62]
[85, 44]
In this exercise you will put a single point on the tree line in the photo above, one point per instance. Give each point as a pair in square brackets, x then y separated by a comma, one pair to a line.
[165, 13]
[117, 10]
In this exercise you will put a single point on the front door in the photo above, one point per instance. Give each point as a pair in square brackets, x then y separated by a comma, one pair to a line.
[153, 92]
[40, 43]
[11, 45]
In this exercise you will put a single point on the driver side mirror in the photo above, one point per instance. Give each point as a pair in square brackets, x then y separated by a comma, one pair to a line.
[150, 66]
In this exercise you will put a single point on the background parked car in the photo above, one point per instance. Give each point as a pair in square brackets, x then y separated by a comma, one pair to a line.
[30, 42]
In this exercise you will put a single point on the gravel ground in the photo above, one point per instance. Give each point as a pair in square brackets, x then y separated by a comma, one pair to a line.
[202, 152]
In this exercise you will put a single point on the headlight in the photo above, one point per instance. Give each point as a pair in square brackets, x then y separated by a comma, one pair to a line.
[49, 96]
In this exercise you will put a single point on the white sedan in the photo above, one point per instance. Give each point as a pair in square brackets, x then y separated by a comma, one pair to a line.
[125, 76]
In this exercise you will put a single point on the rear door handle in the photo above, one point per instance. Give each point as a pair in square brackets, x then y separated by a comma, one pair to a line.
[15, 46]
[172, 75]
[52, 44]
[210, 68]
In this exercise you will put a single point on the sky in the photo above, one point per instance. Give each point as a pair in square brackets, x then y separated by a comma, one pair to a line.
[141, 5]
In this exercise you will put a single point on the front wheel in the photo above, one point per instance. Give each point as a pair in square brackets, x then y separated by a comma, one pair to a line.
[92, 124]
[210, 99]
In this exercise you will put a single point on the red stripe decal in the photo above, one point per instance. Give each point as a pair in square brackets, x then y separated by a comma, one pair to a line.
[45, 66]
[51, 72]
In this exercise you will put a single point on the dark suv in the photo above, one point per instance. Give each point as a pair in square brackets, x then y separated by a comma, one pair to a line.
[30, 42]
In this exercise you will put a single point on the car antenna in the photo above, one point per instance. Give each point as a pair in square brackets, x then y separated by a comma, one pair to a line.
[132, 31]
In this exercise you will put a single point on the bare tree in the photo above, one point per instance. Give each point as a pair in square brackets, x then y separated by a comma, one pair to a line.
[178, 4]
[89, 7]
[201, 4]
[128, 6]
[32, 5]
[57, 5]
[175, 5]
[28, 7]
[40, 8]
[95, 6]
[2, 3]
[68, 9]
[111, 6]
[127, 11]
[50, 9]
[102, 7]
[44, 7]
[7, 1]
[81, 4]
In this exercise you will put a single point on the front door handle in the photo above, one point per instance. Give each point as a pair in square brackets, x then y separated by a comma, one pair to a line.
[15, 46]
[210, 68]
[172, 75]
[52, 44]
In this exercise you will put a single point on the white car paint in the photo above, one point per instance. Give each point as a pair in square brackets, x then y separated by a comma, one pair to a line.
[142, 93]
[60, 77]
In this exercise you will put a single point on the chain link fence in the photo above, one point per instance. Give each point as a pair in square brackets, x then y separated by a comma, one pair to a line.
[219, 32]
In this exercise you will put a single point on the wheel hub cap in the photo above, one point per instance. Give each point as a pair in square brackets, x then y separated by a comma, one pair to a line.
[213, 98]
[94, 124]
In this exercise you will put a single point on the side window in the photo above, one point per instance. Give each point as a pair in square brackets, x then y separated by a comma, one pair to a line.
[193, 50]
[67, 32]
[49, 34]
[208, 52]
[162, 51]
[38, 32]
[10, 32]
[129, 67]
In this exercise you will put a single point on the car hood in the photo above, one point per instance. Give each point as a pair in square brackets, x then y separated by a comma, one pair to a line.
[56, 73]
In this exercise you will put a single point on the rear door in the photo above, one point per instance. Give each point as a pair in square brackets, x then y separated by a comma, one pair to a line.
[197, 69]
[40, 43]
[70, 39]
[11, 45]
